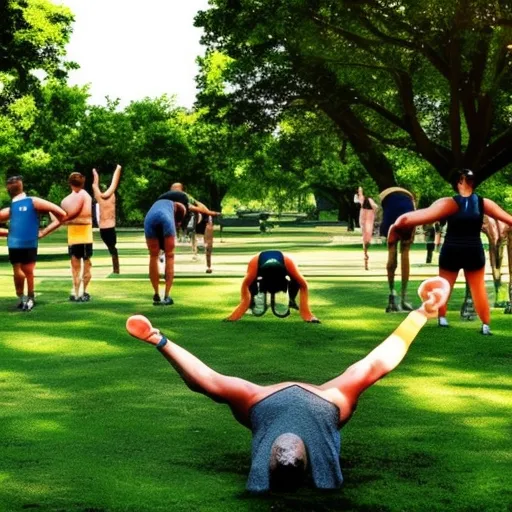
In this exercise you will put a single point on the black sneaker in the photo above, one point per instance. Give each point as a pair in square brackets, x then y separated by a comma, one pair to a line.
[85, 297]
[167, 301]
[73, 298]
[293, 305]
[392, 305]
[156, 300]
[21, 305]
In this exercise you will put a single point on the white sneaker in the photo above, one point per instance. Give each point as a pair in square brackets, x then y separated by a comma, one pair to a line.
[442, 322]
[29, 305]
[486, 330]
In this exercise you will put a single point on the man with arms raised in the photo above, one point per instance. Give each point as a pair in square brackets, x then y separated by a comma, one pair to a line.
[22, 237]
[107, 214]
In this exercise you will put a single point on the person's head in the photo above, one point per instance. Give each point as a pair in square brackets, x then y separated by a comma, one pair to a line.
[177, 186]
[288, 462]
[76, 180]
[464, 178]
[360, 190]
[14, 185]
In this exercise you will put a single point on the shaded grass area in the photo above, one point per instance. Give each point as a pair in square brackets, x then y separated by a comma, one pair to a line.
[93, 420]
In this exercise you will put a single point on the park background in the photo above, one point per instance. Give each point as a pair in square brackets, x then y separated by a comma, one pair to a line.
[298, 103]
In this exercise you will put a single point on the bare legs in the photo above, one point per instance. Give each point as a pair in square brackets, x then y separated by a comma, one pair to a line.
[153, 245]
[239, 394]
[208, 245]
[81, 274]
[392, 263]
[476, 282]
[24, 272]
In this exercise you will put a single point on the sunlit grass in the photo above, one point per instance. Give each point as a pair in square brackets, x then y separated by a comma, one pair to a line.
[91, 419]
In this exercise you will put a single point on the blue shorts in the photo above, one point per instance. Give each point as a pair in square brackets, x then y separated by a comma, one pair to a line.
[394, 205]
[159, 221]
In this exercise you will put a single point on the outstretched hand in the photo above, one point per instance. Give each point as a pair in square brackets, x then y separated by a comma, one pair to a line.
[96, 178]
[434, 293]
[140, 327]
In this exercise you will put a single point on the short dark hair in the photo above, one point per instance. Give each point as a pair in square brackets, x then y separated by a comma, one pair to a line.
[14, 185]
[76, 179]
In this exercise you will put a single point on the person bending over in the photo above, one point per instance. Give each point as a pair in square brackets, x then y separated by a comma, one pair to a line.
[106, 202]
[160, 232]
[396, 201]
[295, 425]
[272, 272]
[23, 237]
[462, 248]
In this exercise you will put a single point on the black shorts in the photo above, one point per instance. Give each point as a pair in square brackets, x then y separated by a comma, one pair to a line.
[23, 256]
[395, 204]
[80, 251]
[456, 257]
[201, 226]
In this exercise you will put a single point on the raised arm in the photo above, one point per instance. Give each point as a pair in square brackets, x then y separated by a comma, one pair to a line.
[96, 185]
[235, 392]
[496, 212]
[295, 274]
[387, 356]
[245, 300]
[113, 184]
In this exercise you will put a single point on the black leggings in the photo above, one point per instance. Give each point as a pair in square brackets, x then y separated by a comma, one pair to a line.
[109, 238]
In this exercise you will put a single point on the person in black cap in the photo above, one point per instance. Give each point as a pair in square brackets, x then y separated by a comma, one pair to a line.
[272, 272]
[295, 425]
[462, 248]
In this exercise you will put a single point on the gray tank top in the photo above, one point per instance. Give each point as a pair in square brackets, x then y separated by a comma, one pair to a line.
[303, 413]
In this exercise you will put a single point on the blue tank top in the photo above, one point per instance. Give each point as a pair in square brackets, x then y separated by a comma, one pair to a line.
[464, 226]
[23, 225]
[297, 411]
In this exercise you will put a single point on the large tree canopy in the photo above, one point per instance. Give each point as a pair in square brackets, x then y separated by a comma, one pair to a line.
[33, 37]
[431, 76]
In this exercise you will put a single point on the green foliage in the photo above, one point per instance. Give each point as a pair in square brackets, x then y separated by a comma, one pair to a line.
[430, 77]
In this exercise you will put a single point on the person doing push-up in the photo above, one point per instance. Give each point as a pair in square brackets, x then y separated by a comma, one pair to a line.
[295, 425]
[273, 272]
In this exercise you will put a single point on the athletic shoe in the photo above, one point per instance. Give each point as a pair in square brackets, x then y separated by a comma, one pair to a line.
[209, 270]
[22, 303]
[293, 305]
[442, 322]
[167, 301]
[405, 306]
[85, 297]
[29, 305]
[156, 300]
[485, 330]
[392, 306]
[73, 298]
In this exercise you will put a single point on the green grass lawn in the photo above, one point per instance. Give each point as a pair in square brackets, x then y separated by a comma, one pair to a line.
[93, 420]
